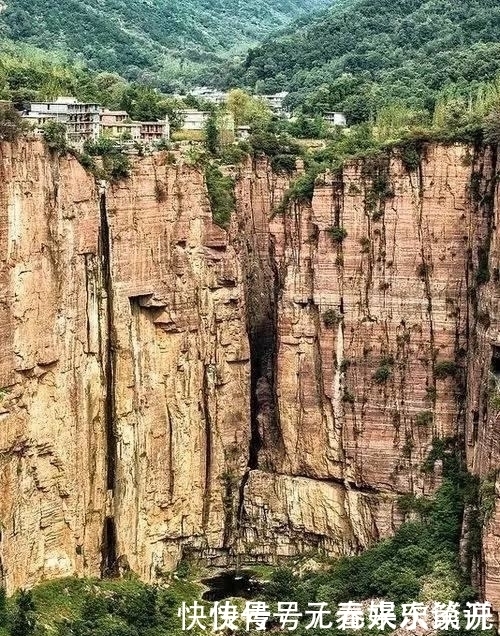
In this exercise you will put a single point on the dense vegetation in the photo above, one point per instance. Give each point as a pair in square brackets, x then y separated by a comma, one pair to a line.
[146, 40]
[91, 607]
[28, 74]
[361, 56]
[421, 562]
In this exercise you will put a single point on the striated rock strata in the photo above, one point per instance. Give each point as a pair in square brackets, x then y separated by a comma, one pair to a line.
[124, 413]
[168, 387]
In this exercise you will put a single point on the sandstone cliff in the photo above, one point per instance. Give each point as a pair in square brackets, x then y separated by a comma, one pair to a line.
[124, 367]
[169, 387]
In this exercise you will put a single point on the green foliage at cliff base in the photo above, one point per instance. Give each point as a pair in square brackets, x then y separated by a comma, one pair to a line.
[92, 607]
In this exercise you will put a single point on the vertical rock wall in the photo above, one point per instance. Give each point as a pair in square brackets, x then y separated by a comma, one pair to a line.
[52, 446]
[482, 441]
[168, 387]
[124, 374]
[181, 369]
[365, 325]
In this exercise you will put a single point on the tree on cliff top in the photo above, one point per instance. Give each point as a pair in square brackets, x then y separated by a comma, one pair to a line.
[247, 110]
[11, 123]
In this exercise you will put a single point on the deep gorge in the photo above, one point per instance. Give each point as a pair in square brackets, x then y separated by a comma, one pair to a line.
[169, 388]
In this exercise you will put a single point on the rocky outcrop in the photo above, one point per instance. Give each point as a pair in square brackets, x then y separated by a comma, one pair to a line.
[52, 443]
[181, 368]
[169, 387]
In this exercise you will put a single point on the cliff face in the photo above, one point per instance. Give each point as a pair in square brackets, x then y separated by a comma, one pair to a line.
[360, 398]
[125, 366]
[170, 387]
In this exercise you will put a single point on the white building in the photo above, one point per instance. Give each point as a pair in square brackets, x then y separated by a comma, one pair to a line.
[335, 119]
[275, 102]
[209, 94]
[242, 133]
[82, 120]
[194, 119]
[88, 121]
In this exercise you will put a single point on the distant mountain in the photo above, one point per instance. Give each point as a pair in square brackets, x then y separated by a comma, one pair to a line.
[361, 54]
[162, 37]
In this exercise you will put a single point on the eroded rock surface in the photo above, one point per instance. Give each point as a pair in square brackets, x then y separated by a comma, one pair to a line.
[167, 386]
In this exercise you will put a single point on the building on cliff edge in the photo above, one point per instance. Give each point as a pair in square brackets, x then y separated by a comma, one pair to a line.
[89, 121]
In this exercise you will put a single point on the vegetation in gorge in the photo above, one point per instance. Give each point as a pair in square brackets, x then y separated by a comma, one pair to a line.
[221, 194]
[113, 165]
[91, 607]
[337, 234]
[331, 318]
[421, 562]
[384, 369]
[444, 369]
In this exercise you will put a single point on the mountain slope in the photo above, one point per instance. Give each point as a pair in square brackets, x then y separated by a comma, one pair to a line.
[358, 56]
[127, 36]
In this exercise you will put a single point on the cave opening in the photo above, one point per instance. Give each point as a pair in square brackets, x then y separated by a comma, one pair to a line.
[261, 299]
[475, 426]
[261, 350]
[108, 553]
[495, 360]
[262, 322]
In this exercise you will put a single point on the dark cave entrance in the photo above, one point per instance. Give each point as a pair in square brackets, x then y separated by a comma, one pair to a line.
[109, 559]
[495, 360]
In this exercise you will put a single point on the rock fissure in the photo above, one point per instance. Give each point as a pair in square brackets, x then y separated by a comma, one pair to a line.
[109, 535]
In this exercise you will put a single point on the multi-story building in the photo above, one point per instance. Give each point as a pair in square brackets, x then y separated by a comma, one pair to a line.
[154, 130]
[334, 118]
[276, 101]
[117, 123]
[209, 94]
[194, 119]
[87, 121]
[114, 116]
[82, 121]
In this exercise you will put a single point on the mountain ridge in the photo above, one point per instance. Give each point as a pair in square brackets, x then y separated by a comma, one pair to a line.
[357, 56]
[150, 36]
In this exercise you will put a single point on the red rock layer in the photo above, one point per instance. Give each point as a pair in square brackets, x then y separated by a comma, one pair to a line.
[160, 449]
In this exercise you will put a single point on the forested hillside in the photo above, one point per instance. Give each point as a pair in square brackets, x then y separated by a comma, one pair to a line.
[360, 56]
[161, 37]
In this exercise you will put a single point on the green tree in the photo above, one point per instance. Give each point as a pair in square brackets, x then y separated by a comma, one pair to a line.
[54, 135]
[11, 124]
[247, 110]
[212, 134]
[24, 621]
[3, 607]
[221, 195]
